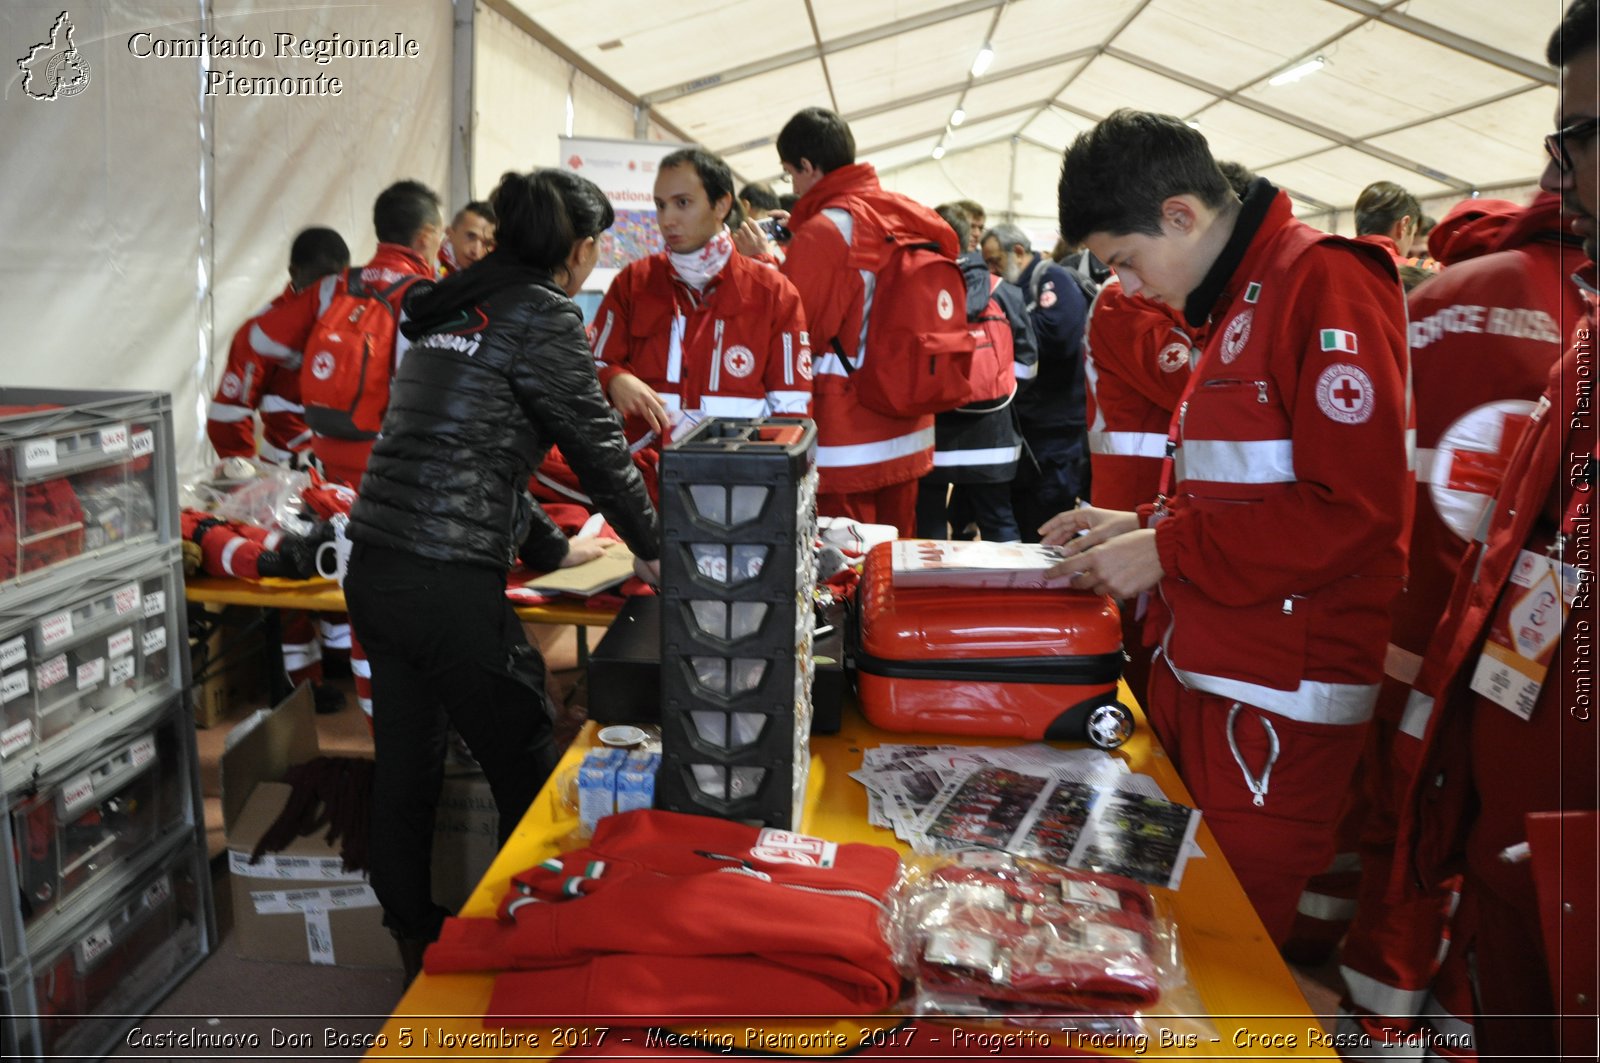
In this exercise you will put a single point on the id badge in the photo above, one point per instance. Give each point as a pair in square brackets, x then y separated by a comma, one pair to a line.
[1526, 630]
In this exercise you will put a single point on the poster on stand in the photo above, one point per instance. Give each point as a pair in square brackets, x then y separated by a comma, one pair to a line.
[625, 170]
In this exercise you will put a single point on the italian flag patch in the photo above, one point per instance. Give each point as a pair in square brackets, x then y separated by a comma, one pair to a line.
[1334, 339]
[1253, 292]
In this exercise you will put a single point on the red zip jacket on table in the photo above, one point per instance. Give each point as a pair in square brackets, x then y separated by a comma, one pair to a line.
[1285, 542]
[282, 331]
[741, 349]
[839, 229]
[252, 382]
[665, 914]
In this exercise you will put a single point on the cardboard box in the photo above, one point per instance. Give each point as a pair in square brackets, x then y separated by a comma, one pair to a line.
[300, 905]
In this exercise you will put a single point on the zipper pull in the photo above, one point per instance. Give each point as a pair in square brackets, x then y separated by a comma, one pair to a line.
[1261, 391]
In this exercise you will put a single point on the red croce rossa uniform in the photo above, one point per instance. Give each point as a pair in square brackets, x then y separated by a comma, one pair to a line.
[740, 351]
[252, 382]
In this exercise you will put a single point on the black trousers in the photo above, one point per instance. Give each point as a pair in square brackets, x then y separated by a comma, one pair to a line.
[445, 648]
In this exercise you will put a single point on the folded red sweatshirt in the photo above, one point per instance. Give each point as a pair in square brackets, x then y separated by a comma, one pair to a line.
[665, 914]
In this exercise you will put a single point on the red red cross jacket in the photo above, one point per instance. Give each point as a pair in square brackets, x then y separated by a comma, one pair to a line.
[250, 383]
[1135, 365]
[743, 351]
[839, 227]
[1481, 768]
[669, 914]
[1285, 544]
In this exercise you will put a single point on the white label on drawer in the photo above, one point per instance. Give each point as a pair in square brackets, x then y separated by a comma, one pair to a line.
[127, 599]
[121, 670]
[91, 673]
[114, 440]
[159, 891]
[39, 453]
[121, 643]
[14, 652]
[155, 603]
[14, 738]
[142, 751]
[52, 671]
[94, 946]
[77, 793]
[13, 686]
[56, 628]
[154, 639]
[142, 443]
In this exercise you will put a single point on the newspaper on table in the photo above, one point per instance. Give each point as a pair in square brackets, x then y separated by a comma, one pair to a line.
[1079, 808]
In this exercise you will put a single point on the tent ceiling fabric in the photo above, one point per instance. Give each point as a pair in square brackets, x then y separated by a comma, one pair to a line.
[1442, 96]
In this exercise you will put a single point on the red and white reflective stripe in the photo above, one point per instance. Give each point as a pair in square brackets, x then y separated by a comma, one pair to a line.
[279, 404]
[788, 401]
[1311, 702]
[272, 540]
[223, 413]
[1236, 461]
[1128, 444]
[1411, 447]
[871, 453]
[1327, 908]
[562, 489]
[1401, 664]
[228, 551]
[980, 456]
[1414, 720]
[605, 337]
[1028, 371]
[1380, 998]
[335, 636]
[298, 655]
[269, 451]
[268, 347]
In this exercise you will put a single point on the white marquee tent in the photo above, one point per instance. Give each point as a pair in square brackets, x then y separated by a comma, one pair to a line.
[148, 213]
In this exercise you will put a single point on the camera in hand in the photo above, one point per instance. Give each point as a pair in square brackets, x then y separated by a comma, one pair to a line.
[775, 229]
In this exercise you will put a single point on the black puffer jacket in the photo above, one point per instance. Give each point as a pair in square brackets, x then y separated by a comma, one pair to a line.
[499, 369]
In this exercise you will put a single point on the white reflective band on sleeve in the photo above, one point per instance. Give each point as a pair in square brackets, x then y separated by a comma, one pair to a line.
[1427, 460]
[1372, 995]
[788, 401]
[605, 336]
[298, 655]
[272, 540]
[1414, 721]
[1327, 909]
[1343, 862]
[366, 706]
[1411, 448]
[1311, 702]
[985, 456]
[1024, 372]
[828, 364]
[562, 489]
[1128, 444]
[788, 358]
[279, 404]
[227, 414]
[1232, 461]
[733, 406]
[274, 454]
[1401, 665]
[870, 453]
[268, 347]
[228, 552]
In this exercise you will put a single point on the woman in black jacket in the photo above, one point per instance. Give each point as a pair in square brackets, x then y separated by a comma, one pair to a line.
[498, 370]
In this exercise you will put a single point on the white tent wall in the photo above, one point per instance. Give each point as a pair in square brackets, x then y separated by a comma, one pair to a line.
[985, 174]
[147, 220]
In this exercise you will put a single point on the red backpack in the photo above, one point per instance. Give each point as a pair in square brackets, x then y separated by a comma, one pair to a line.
[349, 358]
[919, 357]
[994, 372]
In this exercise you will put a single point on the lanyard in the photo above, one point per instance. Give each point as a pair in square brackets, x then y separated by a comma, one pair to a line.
[1175, 428]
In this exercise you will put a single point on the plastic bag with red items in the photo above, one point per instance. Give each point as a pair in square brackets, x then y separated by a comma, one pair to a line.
[985, 933]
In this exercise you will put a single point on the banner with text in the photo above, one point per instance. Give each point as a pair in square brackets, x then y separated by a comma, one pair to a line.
[625, 170]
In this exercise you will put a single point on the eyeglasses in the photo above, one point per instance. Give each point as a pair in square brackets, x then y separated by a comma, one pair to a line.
[1556, 144]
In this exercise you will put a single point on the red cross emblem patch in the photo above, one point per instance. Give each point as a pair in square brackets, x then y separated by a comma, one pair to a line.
[1344, 393]
[739, 361]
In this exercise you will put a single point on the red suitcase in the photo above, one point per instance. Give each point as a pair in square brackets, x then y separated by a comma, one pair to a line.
[982, 661]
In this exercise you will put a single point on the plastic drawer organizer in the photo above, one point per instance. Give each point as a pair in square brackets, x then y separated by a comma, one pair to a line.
[82, 475]
[106, 893]
[738, 510]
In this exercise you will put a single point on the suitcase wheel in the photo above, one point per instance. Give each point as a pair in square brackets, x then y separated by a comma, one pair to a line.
[1103, 722]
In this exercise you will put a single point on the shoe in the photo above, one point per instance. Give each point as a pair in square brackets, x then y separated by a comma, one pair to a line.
[329, 698]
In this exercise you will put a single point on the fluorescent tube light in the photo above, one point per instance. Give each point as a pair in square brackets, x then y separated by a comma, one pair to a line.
[983, 60]
[1295, 73]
